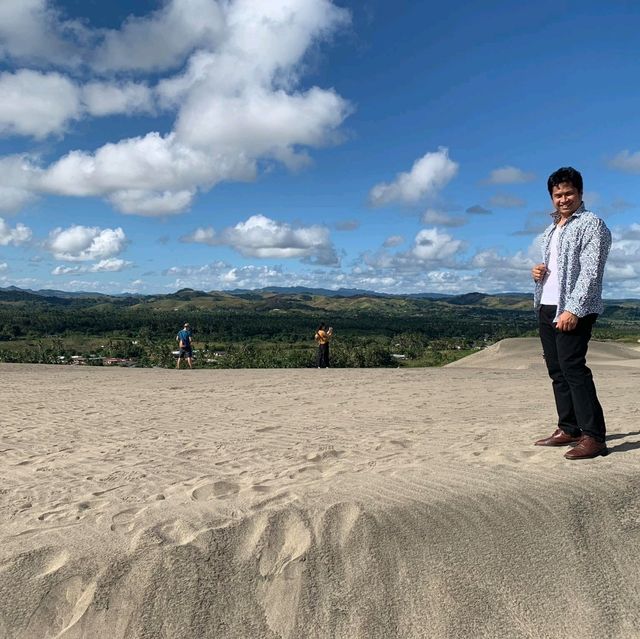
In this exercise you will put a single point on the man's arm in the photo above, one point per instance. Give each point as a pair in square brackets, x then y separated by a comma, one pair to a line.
[593, 257]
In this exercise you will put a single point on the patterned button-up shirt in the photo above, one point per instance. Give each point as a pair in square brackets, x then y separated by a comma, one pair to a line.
[583, 246]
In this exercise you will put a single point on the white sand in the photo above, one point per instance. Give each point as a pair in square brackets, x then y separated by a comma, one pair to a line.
[337, 504]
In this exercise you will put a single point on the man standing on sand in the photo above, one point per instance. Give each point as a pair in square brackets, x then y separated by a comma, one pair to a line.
[322, 337]
[184, 342]
[568, 299]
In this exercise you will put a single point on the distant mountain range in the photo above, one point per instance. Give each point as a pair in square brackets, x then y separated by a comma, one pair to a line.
[21, 293]
[505, 300]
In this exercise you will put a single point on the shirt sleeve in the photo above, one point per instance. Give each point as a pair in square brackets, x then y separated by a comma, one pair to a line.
[593, 256]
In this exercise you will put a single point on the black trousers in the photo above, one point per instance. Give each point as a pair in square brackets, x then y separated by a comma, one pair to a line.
[575, 393]
[323, 355]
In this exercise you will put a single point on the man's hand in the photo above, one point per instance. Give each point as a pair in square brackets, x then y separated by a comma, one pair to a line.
[538, 272]
[567, 321]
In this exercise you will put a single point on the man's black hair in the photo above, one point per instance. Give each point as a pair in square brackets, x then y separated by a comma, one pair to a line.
[565, 174]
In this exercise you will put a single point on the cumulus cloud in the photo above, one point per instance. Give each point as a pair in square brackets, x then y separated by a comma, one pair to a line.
[16, 183]
[4, 266]
[37, 104]
[110, 265]
[17, 235]
[623, 264]
[393, 240]
[110, 98]
[83, 243]
[434, 263]
[427, 176]
[509, 175]
[504, 201]
[262, 237]
[626, 161]
[504, 272]
[432, 245]
[238, 100]
[202, 236]
[33, 31]
[181, 26]
[220, 275]
[440, 218]
[431, 248]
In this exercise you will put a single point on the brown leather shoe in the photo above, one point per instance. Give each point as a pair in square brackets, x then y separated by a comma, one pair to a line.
[559, 438]
[587, 448]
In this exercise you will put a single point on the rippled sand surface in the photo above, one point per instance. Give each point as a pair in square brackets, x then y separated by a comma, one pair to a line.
[316, 503]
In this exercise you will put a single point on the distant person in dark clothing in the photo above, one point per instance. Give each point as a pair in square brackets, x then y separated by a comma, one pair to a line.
[322, 337]
[184, 342]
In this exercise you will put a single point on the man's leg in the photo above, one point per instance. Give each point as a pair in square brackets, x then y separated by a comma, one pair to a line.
[567, 420]
[189, 361]
[322, 356]
[178, 362]
[572, 352]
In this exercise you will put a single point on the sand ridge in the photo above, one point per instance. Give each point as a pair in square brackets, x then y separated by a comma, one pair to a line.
[314, 503]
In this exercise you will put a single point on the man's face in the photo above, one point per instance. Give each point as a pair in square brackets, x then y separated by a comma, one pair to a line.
[566, 198]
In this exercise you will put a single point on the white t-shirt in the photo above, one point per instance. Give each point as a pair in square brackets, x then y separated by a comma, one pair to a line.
[551, 286]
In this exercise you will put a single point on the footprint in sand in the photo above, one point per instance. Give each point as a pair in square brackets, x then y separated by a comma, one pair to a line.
[266, 429]
[217, 490]
[124, 520]
[321, 455]
[52, 515]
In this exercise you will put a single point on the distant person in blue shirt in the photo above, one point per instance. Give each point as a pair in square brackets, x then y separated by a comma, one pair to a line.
[184, 341]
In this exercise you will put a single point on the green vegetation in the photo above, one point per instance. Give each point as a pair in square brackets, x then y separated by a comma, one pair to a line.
[272, 329]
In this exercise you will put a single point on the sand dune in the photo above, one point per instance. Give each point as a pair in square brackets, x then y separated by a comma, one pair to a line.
[315, 503]
[525, 352]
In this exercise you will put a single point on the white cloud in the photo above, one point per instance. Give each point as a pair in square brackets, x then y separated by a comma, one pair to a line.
[17, 177]
[83, 243]
[504, 201]
[439, 218]
[623, 264]
[202, 236]
[626, 161]
[431, 249]
[238, 101]
[220, 275]
[19, 234]
[33, 31]
[110, 265]
[13, 199]
[162, 39]
[393, 240]
[37, 104]
[262, 237]
[509, 175]
[427, 176]
[4, 266]
[109, 98]
[432, 245]
[504, 272]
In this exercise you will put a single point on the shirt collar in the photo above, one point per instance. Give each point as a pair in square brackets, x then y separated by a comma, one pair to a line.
[577, 213]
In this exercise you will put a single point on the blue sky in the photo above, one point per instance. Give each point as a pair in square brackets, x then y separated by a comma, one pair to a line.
[401, 147]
